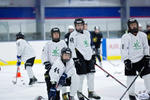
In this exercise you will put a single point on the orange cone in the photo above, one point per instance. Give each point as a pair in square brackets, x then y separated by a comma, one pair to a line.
[18, 73]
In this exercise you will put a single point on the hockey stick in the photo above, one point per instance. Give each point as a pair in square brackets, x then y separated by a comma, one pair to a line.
[131, 83]
[14, 82]
[3, 61]
[111, 76]
[84, 96]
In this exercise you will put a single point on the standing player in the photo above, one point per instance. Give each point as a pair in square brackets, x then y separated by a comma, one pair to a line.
[148, 33]
[70, 30]
[96, 38]
[63, 68]
[51, 52]
[25, 53]
[135, 54]
[79, 43]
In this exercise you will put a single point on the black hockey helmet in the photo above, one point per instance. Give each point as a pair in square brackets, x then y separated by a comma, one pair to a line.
[19, 36]
[130, 21]
[79, 21]
[53, 30]
[66, 50]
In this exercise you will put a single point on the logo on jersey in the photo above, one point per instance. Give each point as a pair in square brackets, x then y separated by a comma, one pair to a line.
[86, 44]
[55, 52]
[137, 45]
[95, 39]
[71, 40]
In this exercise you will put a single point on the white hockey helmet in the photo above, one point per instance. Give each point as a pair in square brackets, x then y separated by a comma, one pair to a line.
[70, 27]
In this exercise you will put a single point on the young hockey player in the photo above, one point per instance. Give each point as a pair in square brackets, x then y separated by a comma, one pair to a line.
[25, 53]
[79, 43]
[51, 52]
[70, 30]
[135, 54]
[96, 40]
[62, 68]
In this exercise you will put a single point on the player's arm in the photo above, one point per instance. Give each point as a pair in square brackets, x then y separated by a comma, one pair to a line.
[20, 49]
[125, 52]
[145, 45]
[45, 58]
[124, 48]
[146, 51]
[72, 43]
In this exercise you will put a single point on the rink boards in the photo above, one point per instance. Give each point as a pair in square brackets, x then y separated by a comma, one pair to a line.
[110, 50]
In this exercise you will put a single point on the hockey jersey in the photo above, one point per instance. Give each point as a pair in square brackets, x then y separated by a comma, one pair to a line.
[134, 47]
[58, 68]
[52, 50]
[81, 42]
[24, 49]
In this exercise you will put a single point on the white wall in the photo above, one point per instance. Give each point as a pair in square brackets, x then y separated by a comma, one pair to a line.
[8, 49]
[113, 47]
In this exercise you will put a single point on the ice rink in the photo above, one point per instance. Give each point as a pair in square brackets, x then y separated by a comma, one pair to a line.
[106, 87]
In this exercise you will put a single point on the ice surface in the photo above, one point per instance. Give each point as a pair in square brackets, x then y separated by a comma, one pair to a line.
[106, 87]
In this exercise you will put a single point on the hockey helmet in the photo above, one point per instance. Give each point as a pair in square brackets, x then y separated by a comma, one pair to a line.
[66, 50]
[19, 36]
[54, 30]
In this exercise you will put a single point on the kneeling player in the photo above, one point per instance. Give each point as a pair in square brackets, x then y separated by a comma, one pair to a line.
[62, 68]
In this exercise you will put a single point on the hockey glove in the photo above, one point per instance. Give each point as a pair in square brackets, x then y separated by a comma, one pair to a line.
[147, 60]
[128, 64]
[62, 80]
[94, 59]
[47, 65]
[18, 60]
[52, 91]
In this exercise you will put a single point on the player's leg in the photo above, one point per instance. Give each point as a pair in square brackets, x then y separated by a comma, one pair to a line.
[130, 77]
[28, 66]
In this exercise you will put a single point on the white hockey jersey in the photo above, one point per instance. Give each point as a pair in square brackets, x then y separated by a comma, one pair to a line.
[134, 47]
[24, 49]
[58, 68]
[82, 43]
[52, 51]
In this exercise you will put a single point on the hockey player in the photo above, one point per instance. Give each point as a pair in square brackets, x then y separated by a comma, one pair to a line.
[96, 38]
[62, 68]
[135, 54]
[25, 53]
[70, 30]
[79, 43]
[148, 33]
[85, 25]
[51, 52]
